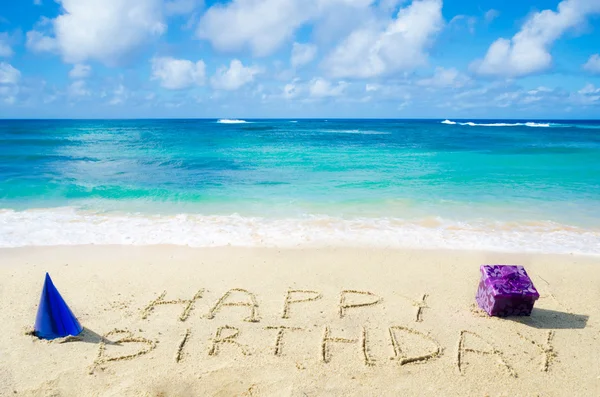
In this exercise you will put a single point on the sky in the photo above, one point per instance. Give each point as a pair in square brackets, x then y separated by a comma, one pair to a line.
[521, 59]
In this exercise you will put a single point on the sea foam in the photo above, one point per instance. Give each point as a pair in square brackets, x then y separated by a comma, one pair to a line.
[472, 124]
[68, 226]
[231, 121]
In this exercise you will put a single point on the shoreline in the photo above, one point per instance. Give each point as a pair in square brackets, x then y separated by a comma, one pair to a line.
[373, 309]
[37, 228]
[299, 248]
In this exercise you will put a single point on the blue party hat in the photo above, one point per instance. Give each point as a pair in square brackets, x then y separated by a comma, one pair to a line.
[54, 318]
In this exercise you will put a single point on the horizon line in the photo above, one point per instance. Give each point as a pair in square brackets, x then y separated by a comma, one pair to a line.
[293, 118]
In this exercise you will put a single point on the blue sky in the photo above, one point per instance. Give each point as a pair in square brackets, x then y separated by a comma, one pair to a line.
[300, 58]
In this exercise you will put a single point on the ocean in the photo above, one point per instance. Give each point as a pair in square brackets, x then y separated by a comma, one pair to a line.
[526, 186]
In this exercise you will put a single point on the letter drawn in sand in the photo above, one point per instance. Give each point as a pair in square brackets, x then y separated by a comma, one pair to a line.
[369, 362]
[345, 305]
[219, 340]
[179, 354]
[289, 299]
[328, 339]
[546, 349]
[493, 351]
[279, 340]
[420, 306]
[399, 349]
[161, 301]
[251, 303]
[128, 337]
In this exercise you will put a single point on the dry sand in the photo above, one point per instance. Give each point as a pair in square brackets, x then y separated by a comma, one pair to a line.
[232, 344]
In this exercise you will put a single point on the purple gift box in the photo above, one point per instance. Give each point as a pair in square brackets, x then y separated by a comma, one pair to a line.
[506, 290]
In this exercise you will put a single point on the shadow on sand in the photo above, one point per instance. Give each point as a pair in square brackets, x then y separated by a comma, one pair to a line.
[88, 336]
[552, 319]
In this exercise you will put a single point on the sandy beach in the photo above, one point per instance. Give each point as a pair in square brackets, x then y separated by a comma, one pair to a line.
[297, 198]
[178, 321]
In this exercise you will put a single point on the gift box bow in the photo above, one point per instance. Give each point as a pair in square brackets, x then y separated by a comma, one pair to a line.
[510, 280]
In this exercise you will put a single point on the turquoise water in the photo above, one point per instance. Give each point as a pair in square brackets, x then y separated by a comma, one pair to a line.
[480, 184]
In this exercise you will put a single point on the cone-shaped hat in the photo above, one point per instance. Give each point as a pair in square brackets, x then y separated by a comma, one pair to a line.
[54, 318]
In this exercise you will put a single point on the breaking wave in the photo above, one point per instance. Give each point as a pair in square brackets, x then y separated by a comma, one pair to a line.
[39, 228]
[472, 124]
[231, 121]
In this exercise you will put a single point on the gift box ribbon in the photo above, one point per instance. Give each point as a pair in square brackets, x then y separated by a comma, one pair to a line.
[514, 282]
[509, 280]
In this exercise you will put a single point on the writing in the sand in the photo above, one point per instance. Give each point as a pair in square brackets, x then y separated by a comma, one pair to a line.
[407, 344]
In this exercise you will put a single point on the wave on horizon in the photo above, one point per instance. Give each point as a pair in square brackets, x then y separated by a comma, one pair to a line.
[231, 121]
[472, 124]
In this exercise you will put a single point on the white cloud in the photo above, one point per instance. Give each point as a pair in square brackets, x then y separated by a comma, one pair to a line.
[177, 74]
[335, 24]
[105, 30]
[528, 51]
[389, 5]
[49, 99]
[538, 90]
[503, 94]
[445, 78]
[405, 102]
[302, 54]
[507, 97]
[531, 99]
[264, 25]
[9, 79]
[181, 7]
[490, 15]
[292, 90]
[468, 21]
[5, 49]
[234, 77]
[317, 88]
[398, 45]
[8, 74]
[589, 89]
[78, 89]
[9, 93]
[587, 96]
[120, 95]
[350, 3]
[321, 88]
[38, 42]
[80, 71]
[593, 64]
